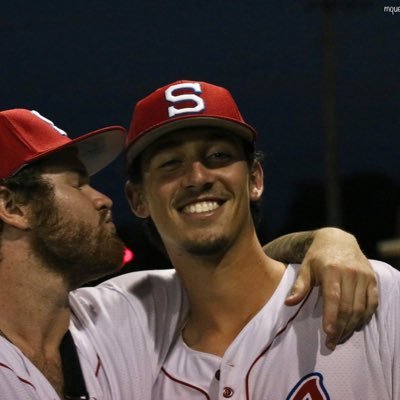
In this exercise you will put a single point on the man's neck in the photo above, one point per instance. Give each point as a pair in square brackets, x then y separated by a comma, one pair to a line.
[35, 315]
[33, 303]
[225, 296]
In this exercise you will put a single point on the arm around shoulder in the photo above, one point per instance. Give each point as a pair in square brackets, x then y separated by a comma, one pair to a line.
[331, 258]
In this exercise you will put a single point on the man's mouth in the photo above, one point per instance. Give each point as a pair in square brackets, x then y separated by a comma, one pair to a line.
[200, 207]
[106, 216]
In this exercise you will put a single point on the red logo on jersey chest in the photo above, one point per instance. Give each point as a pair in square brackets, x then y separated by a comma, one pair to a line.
[310, 387]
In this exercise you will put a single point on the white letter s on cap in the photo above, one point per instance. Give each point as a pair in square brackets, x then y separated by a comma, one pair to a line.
[195, 86]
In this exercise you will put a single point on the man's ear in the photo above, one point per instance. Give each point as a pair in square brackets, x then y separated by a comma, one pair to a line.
[136, 200]
[12, 212]
[256, 182]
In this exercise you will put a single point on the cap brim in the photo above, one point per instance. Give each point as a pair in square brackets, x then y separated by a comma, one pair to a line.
[96, 149]
[99, 148]
[154, 133]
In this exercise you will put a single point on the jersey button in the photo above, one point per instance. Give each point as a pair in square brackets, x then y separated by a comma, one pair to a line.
[228, 392]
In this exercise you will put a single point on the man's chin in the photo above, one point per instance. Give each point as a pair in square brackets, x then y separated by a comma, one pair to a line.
[107, 261]
[207, 248]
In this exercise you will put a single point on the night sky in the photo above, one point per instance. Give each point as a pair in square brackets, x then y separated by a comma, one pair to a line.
[85, 64]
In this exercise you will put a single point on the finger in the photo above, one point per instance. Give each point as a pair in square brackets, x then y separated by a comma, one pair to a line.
[372, 299]
[372, 302]
[300, 287]
[345, 323]
[352, 315]
[331, 294]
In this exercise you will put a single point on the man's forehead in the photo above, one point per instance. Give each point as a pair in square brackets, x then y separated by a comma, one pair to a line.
[63, 161]
[180, 137]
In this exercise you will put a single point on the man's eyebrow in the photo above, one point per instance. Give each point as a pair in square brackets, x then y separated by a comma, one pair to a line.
[167, 143]
[164, 145]
[79, 170]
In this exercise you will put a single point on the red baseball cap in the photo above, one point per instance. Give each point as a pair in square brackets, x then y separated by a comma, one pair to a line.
[26, 136]
[184, 104]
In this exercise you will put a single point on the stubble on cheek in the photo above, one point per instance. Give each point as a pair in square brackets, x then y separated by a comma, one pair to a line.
[76, 249]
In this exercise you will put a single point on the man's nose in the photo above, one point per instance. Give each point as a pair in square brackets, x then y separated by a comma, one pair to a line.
[197, 175]
[100, 200]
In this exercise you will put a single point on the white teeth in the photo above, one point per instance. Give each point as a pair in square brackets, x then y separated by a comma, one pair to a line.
[200, 207]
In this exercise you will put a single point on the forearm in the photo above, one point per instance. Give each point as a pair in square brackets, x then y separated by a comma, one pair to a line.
[290, 248]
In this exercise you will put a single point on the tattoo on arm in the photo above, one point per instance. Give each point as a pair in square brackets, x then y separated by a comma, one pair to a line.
[290, 248]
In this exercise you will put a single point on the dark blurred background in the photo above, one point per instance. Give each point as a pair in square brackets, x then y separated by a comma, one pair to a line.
[319, 80]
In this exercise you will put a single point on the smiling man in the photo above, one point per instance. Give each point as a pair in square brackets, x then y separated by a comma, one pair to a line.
[195, 175]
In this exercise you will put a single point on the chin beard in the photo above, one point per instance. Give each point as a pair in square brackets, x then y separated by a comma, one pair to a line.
[75, 249]
[210, 248]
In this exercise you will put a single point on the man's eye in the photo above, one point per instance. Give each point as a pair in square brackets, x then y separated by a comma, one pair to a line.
[77, 185]
[170, 163]
[219, 156]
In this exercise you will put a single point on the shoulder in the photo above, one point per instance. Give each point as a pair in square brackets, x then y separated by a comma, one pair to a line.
[141, 293]
[128, 323]
[133, 288]
[388, 278]
[158, 289]
[142, 282]
[141, 311]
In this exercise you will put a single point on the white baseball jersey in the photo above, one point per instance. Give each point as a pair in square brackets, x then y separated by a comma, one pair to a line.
[280, 355]
[122, 329]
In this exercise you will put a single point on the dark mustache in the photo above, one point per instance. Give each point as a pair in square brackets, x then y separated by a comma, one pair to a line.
[105, 216]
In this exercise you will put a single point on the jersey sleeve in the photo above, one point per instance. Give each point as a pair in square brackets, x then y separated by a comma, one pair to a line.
[388, 317]
[131, 321]
[160, 305]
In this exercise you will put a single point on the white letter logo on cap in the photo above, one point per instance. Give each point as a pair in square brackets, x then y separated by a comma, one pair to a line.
[60, 131]
[169, 95]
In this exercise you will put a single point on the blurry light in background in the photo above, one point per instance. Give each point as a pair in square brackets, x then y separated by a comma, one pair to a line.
[128, 256]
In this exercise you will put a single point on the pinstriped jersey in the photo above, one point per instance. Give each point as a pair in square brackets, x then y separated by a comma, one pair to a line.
[280, 355]
[122, 330]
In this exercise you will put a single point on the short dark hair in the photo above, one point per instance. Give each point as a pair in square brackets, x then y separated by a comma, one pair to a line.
[135, 176]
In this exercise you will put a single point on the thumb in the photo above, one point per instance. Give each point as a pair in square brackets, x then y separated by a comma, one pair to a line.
[300, 287]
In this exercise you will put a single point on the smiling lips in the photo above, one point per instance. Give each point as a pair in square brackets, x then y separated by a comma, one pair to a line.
[200, 207]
